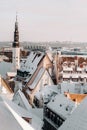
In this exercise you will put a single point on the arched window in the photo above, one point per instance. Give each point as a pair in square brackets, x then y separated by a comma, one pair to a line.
[53, 116]
[55, 119]
[60, 122]
[50, 115]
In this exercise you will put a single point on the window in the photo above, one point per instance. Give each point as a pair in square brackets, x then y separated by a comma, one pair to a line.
[60, 122]
[53, 117]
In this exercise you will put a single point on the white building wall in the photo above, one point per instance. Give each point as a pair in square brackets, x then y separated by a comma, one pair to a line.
[45, 80]
[16, 58]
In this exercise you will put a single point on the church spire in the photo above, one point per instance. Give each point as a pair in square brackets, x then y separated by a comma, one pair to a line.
[16, 34]
[16, 16]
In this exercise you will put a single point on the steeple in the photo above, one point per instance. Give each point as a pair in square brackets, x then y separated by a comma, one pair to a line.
[16, 34]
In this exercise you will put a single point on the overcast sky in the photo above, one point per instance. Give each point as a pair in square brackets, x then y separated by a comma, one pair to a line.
[44, 20]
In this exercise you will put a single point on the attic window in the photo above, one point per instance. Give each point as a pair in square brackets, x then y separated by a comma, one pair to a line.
[60, 105]
[74, 100]
[39, 54]
[68, 108]
[53, 100]
[19, 104]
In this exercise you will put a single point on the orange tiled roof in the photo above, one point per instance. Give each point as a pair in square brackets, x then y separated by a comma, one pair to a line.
[75, 97]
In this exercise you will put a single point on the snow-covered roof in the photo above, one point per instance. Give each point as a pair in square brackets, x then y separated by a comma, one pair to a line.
[84, 63]
[72, 87]
[24, 100]
[3, 57]
[84, 75]
[11, 74]
[36, 80]
[72, 63]
[19, 110]
[34, 113]
[9, 119]
[65, 87]
[72, 75]
[5, 67]
[79, 69]
[53, 88]
[67, 69]
[37, 112]
[46, 92]
[65, 75]
[31, 62]
[65, 62]
[37, 118]
[61, 106]
[86, 68]
[75, 75]
[78, 119]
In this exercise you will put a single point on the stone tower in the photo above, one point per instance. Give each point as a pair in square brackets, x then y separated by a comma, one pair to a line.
[16, 48]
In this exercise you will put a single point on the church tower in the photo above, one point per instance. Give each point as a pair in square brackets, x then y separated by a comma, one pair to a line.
[16, 48]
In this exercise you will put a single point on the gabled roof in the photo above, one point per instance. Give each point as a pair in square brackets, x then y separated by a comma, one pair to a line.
[32, 62]
[75, 97]
[23, 98]
[78, 119]
[10, 120]
[47, 63]
[37, 78]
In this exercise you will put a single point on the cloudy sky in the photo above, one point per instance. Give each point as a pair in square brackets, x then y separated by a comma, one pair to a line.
[44, 20]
